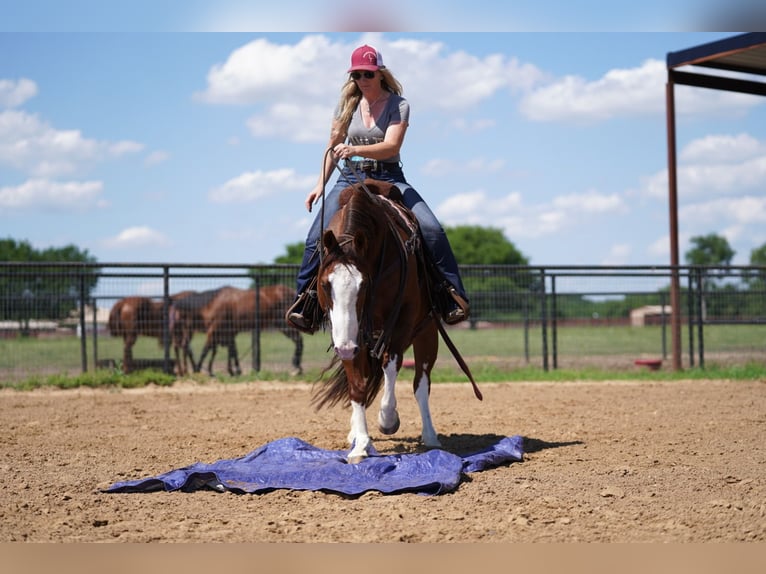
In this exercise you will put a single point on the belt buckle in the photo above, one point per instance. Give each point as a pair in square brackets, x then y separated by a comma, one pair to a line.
[369, 165]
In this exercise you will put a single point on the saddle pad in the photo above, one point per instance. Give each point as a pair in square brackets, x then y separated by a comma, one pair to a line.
[291, 463]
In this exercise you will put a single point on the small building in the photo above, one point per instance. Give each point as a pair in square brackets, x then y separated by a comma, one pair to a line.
[649, 315]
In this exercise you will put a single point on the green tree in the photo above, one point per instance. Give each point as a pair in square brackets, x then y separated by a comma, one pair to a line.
[757, 278]
[293, 254]
[43, 291]
[273, 274]
[758, 256]
[502, 290]
[711, 249]
[475, 245]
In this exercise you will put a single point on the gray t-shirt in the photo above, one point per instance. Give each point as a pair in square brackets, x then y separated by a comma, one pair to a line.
[397, 110]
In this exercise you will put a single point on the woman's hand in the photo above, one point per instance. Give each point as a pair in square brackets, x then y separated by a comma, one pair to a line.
[343, 151]
[313, 196]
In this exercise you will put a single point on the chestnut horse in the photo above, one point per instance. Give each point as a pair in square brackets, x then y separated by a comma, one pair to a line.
[132, 317]
[373, 286]
[223, 313]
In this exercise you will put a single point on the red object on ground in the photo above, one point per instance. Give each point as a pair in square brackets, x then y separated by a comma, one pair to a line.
[652, 364]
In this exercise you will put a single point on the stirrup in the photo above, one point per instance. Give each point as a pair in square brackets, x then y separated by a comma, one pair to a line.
[460, 311]
[304, 314]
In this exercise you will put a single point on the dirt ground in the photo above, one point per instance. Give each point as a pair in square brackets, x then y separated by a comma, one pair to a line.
[605, 462]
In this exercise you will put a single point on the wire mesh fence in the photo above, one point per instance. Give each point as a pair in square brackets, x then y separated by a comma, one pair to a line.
[70, 318]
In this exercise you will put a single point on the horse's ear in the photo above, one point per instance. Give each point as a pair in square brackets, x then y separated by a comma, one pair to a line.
[329, 241]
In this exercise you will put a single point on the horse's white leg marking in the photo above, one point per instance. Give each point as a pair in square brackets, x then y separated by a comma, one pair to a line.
[359, 434]
[388, 417]
[345, 282]
[429, 433]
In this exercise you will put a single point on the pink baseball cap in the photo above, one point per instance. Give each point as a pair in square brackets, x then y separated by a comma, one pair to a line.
[366, 58]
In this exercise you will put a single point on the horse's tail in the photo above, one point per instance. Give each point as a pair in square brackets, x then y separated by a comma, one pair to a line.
[334, 390]
[115, 320]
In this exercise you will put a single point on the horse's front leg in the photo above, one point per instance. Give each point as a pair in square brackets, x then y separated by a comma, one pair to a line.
[388, 416]
[358, 437]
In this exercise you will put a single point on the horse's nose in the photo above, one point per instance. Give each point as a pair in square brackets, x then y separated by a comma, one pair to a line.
[346, 351]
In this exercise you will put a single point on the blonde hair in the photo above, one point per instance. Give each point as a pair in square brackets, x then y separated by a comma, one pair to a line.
[350, 94]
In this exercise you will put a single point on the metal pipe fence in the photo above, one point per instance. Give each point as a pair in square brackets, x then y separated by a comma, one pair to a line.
[54, 317]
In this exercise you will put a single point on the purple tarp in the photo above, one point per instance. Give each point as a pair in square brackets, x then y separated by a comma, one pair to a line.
[291, 463]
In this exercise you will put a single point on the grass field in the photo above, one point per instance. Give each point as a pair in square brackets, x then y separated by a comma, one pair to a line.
[492, 353]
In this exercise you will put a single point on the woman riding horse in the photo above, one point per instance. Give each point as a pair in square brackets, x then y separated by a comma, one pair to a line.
[367, 132]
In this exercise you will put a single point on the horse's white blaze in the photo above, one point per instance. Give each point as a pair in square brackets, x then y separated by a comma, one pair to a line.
[387, 416]
[345, 282]
[421, 395]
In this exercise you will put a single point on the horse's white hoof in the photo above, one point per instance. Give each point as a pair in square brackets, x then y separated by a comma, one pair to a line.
[216, 485]
[357, 458]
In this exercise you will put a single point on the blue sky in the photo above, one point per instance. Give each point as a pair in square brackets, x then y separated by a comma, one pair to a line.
[185, 147]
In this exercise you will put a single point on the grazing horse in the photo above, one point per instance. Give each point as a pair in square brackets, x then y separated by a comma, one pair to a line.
[223, 313]
[372, 285]
[132, 317]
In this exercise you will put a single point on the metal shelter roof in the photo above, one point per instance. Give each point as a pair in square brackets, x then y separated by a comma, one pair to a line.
[745, 53]
[742, 59]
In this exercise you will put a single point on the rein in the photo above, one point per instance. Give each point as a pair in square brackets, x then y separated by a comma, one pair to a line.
[335, 164]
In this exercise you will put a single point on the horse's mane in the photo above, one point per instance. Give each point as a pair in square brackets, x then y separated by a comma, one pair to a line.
[363, 210]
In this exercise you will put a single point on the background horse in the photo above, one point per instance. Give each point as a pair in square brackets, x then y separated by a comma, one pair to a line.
[223, 313]
[185, 318]
[373, 287]
[132, 317]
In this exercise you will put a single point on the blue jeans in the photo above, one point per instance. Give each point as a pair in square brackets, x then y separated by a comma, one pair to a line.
[437, 246]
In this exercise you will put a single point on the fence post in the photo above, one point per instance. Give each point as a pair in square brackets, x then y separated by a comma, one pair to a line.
[690, 312]
[544, 319]
[554, 323]
[256, 336]
[93, 304]
[700, 318]
[83, 332]
[166, 319]
[526, 326]
[664, 326]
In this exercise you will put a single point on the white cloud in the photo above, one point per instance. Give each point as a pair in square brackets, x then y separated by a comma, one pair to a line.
[456, 80]
[296, 86]
[262, 70]
[156, 158]
[520, 220]
[29, 144]
[139, 236]
[625, 92]
[508, 212]
[15, 93]
[746, 210]
[52, 195]
[296, 122]
[714, 165]
[255, 185]
[590, 202]
[722, 149]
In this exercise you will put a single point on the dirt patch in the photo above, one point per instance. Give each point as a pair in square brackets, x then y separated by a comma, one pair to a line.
[623, 461]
